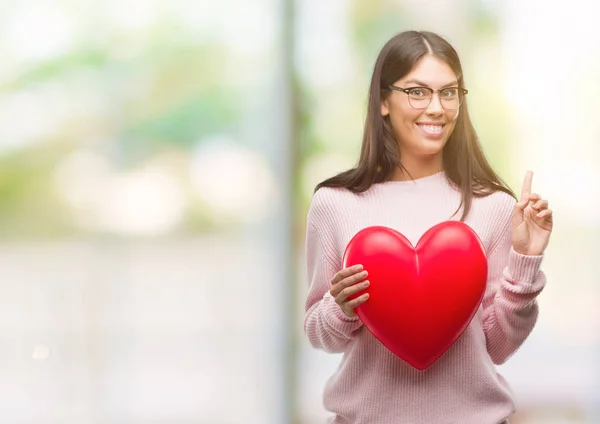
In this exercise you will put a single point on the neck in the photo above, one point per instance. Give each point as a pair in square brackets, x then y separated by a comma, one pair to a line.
[417, 168]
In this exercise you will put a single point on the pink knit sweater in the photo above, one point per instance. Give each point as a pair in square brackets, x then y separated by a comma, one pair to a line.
[374, 386]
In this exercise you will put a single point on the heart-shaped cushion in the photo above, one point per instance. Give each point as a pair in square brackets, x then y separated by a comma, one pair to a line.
[421, 299]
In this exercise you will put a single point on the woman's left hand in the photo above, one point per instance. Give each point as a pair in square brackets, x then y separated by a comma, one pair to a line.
[532, 222]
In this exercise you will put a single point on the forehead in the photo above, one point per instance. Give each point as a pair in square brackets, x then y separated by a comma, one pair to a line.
[432, 71]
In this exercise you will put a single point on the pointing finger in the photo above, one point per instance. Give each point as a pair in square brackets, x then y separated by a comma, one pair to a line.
[526, 189]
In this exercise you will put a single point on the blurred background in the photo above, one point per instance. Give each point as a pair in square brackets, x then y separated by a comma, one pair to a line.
[157, 159]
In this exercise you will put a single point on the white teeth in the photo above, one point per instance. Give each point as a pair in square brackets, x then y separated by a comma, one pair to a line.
[432, 129]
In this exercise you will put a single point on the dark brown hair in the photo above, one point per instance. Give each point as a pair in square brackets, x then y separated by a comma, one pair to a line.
[464, 161]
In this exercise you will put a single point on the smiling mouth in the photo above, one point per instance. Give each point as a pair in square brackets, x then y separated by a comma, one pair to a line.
[432, 129]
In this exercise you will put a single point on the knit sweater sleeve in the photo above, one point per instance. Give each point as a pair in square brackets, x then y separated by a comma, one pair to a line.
[514, 282]
[325, 324]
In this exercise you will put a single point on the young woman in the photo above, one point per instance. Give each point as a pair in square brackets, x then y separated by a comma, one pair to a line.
[421, 164]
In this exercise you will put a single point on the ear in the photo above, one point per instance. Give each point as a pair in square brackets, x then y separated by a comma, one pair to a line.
[384, 108]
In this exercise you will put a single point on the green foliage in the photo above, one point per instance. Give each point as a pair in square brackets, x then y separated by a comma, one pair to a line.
[29, 204]
[185, 123]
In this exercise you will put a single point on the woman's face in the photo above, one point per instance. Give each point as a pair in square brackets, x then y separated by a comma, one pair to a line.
[422, 132]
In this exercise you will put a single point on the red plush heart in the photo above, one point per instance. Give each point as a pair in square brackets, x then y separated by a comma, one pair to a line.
[420, 299]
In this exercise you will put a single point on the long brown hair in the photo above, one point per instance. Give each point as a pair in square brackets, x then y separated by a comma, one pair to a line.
[464, 162]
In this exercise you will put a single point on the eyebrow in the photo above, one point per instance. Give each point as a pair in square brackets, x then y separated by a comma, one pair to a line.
[422, 84]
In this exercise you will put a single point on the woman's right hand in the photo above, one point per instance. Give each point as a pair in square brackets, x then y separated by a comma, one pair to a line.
[347, 282]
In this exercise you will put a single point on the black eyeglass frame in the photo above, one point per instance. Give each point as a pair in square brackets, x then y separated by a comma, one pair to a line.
[461, 94]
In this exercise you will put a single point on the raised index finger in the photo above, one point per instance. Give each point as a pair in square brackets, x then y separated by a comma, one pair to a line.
[526, 190]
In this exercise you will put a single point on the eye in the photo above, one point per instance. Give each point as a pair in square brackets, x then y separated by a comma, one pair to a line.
[417, 92]
[449, 93]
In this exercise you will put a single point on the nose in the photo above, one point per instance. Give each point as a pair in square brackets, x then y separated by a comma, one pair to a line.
[435, 106]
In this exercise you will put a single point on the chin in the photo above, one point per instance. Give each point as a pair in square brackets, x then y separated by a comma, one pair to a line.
[431, 153]
[431, 147]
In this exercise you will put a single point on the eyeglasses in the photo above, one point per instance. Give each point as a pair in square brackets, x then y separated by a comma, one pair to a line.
[420, 97]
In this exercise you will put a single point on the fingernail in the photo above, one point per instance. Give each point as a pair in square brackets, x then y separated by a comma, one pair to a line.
[358, 267]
